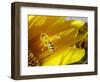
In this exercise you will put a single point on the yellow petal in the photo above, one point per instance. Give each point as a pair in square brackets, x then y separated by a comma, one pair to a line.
[74, 55]
[30, 18]
[77, 23]
[77, 55]
[52, 60]
[62, 57]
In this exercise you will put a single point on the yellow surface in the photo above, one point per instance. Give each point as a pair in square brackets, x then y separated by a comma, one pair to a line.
[53, 39]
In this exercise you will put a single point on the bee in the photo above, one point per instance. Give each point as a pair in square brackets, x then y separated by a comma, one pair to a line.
[46, 43]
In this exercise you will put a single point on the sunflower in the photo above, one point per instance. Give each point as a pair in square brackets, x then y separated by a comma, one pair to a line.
[54, 40]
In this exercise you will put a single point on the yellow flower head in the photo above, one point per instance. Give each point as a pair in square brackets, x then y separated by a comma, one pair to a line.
[55, 41]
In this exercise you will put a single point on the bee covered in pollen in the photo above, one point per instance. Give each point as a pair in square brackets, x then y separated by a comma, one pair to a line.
[46, 43]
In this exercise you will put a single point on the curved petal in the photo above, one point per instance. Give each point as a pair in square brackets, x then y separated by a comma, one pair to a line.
[78, 23]
[73, 55]
[62, 57]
